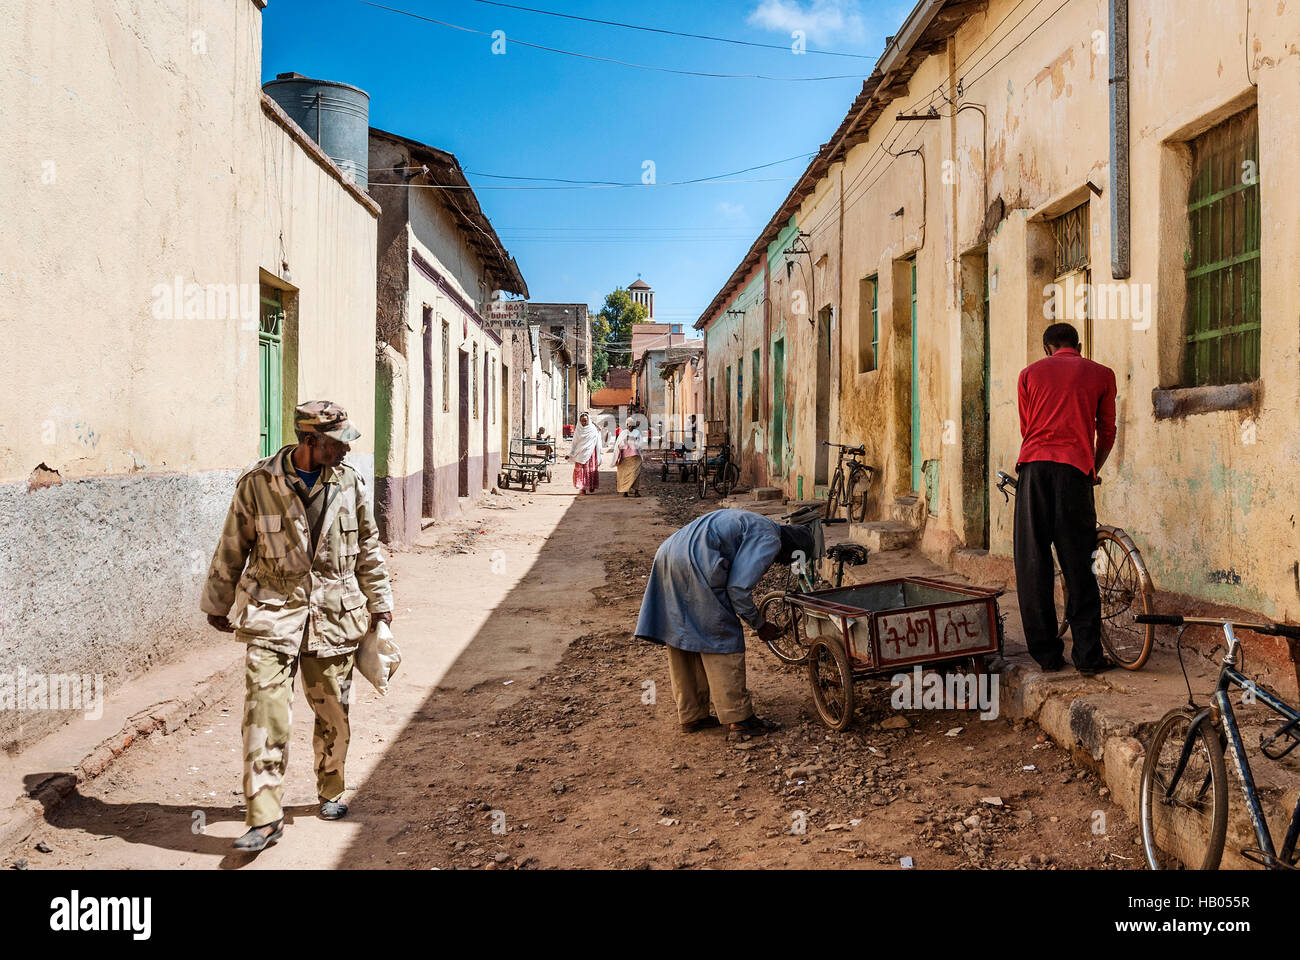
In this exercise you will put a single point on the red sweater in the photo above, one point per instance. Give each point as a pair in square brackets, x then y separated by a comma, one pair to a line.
[1066, 400]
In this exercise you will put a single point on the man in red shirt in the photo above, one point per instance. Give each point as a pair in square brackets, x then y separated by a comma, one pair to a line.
[1067, 421]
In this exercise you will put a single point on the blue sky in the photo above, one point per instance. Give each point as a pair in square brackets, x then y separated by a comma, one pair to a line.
[533, 113]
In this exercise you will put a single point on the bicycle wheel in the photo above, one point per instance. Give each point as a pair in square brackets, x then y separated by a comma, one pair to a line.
[1125, 590]
[835, 495]
[789, 646]
[1187, 828]
[855, 497]
[726, 479]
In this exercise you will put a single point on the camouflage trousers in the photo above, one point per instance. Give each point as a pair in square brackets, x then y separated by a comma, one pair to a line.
[268, 717]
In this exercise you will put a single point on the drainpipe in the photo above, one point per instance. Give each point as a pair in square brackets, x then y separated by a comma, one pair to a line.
[1119, 141]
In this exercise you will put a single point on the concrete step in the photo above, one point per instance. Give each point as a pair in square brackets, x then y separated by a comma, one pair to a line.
[881, 535]
[909, 510]
[766, 493]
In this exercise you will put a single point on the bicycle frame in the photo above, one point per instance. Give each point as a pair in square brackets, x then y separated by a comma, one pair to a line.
[1221, 711]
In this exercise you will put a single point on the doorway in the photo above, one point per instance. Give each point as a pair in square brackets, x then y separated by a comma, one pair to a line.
[916, 388]
[777, 444]
[821, 471]
[462, 473]
[429, 491]
[487, 405]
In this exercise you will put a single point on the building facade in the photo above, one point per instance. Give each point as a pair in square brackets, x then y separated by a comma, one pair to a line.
[161, 352]
[442, 374]
[1116, 165]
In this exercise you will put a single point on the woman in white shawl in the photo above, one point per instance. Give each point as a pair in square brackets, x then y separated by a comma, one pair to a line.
[585, 454]
[628, 460]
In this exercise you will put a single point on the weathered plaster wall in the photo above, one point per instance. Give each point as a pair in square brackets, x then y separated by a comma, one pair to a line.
[146, 120]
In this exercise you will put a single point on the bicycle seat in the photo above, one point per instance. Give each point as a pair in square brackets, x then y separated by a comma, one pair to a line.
[854, 554]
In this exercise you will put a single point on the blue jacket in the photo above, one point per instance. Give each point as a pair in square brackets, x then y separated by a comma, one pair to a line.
[703, 580]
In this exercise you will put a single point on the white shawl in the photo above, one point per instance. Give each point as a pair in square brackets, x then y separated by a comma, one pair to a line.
[585, 440]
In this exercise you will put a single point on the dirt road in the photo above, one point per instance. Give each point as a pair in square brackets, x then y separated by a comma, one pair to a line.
[528, 730]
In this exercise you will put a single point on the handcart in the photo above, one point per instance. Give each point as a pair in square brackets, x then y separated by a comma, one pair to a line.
[529, 462]
[717, 464]
[678, 458]
[881, 629]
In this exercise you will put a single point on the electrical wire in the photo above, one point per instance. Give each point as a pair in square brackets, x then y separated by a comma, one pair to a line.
[675, 33]
[622, 63]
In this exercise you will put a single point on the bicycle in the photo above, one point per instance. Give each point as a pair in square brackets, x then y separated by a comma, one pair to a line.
[1188, 780]
[803, 576]
[720, 470]
[850, 485]
[1124, 583]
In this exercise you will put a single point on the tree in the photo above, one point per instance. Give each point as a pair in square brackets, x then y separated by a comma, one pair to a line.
[611, 333]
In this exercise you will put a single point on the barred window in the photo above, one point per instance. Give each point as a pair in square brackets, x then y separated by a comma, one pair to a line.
[1072, 268]
[473, 365]
[1223, 285]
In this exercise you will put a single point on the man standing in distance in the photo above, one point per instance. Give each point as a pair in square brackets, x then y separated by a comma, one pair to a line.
[1067, 422]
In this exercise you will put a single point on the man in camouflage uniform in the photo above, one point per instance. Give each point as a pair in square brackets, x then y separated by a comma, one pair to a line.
[298, 577]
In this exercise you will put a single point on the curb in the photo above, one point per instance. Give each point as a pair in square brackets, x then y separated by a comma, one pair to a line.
[1104, 741]
[30, 809]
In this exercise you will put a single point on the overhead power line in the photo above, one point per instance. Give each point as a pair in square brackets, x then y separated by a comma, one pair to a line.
[784, 47]
[622, 63]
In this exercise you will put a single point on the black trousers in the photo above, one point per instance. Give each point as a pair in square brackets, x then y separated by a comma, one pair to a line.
[1054, 507]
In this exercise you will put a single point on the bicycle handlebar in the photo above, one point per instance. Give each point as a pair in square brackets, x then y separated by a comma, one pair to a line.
[859, 450]
[1178, 620]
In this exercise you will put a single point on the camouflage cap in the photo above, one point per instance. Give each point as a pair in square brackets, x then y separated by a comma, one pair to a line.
[325, 418]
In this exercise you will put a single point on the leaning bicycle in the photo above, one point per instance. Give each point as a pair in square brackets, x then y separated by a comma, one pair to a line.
[1183, 798]
[850, 485]
[804, 576]
[1125, 587]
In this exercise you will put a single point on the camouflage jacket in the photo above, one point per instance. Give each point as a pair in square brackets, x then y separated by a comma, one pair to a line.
[271, 600]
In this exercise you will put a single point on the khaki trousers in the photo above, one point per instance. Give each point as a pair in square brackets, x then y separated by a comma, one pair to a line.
[700, 677]
[268, 719]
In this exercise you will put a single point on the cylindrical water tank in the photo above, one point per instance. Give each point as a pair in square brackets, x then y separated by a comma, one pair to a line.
[335, 115]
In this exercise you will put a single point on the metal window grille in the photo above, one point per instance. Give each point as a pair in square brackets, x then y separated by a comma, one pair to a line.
[1223, 280]
[473, 363]
[753, 386]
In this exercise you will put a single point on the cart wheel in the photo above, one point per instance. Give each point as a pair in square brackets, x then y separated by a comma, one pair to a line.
[547, 476]
[701, 480]
[832, 684]
[503, 481]
[534, 487]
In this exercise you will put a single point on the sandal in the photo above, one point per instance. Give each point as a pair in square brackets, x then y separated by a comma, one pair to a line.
[704, 723]
[754, 726]
[255, 840]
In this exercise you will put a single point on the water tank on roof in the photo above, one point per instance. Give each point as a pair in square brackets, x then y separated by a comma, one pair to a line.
[335, 115]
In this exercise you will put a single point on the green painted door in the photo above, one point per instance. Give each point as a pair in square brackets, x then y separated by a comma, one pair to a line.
[270, 364]
[916, 392]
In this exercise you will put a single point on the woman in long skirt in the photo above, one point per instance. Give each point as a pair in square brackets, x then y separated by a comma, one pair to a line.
[585, 454]
[629, 462]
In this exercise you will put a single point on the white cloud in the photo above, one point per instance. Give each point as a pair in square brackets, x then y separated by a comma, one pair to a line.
[822, 21]
[731, 211]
